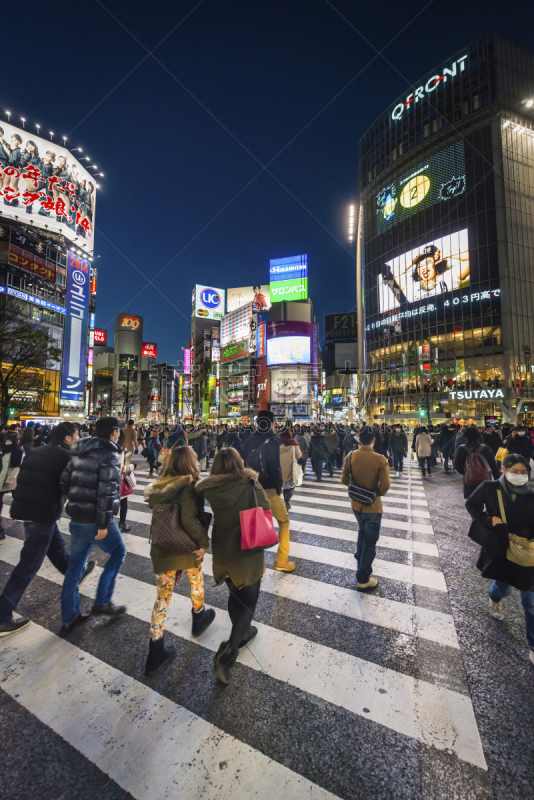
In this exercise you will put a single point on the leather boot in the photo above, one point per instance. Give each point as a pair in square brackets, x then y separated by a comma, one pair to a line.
[224, 661]
[201, 620]
[158, 655]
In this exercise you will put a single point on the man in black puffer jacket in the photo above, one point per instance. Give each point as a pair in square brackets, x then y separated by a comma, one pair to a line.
[91, 483]
[37, 501]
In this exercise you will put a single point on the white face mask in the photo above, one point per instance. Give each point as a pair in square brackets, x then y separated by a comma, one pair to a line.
[520, 433]
[515, 479]
[397, 430]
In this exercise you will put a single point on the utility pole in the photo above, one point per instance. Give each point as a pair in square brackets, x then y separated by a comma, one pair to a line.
[128, 393]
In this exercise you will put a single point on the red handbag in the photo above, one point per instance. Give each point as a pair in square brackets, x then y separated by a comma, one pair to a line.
[257, 529]
[125, 489]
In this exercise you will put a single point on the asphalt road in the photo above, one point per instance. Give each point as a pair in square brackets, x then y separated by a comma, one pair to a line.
[414, 692]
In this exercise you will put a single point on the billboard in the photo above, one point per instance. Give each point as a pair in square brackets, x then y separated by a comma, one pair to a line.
[128, 365]
[43, 183]
[235, 325]
[430, 270]
[74, 349]
[100, 337]
[149, 349]
[282, 328]
[340, 326]
[288, 386]
[295, 289]
[187, 361]
[130, 321]
[257, 295]
[438, 178]
[290, 268]
[289, 350]
[262, 338]
[215, 345]
[234, 350]
[208, 303]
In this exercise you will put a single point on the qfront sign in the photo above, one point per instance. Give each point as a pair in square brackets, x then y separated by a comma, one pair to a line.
[430, 86]
[478, 394]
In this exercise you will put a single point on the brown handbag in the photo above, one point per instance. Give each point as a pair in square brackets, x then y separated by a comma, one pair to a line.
[166, 530]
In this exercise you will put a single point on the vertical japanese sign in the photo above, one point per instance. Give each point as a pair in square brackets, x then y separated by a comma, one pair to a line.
[315, 349]
[74, 351]
[187, 361]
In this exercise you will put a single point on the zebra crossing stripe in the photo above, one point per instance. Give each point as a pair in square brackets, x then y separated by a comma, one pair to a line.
[150, 746]
[433, 715]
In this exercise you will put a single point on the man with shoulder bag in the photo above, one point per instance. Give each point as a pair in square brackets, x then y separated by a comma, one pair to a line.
[366, 473]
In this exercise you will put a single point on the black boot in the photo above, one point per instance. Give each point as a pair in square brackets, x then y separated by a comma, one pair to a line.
[158, 655]
[202, 620]
[224, 661]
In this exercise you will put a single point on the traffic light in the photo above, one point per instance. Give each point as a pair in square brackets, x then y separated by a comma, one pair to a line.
[422, 412]
[525, 408]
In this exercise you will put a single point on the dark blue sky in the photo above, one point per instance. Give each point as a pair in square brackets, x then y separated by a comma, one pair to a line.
[179, 140]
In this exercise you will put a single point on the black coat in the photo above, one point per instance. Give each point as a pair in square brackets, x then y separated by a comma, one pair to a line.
[482, 505]
[493, 441]
[270, 470]
[460, 459]
[520, 445]
[38, 496]
[91, 482]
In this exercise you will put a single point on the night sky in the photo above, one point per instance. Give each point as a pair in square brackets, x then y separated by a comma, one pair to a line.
[183, 135]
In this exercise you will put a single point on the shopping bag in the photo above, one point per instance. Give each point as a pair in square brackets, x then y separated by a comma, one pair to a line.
[257, 529]
[501, 454]
[413, 455]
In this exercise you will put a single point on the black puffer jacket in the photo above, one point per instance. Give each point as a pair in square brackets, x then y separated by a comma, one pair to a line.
[91, 482]
[261, 452]
[37, 496]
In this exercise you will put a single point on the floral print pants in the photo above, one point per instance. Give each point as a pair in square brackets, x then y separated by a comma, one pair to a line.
[165, 582]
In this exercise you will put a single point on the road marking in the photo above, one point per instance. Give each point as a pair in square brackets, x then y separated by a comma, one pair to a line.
[124, 728]
[344, 517]
[388, 506]
[433, 715]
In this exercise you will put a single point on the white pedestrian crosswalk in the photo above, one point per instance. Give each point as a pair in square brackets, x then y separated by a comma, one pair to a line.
[100, 701]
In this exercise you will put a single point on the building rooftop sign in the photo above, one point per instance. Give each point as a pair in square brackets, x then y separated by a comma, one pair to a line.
[430, 86]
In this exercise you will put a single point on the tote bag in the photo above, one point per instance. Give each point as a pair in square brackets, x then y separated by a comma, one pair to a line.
[257, 529]
[520, 550]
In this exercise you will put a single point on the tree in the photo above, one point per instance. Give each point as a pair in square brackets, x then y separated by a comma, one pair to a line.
[120, 396]
[25, 351]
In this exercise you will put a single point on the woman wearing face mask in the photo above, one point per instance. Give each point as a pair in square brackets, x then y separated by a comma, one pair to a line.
[503, 511]
[398, 448]
[519, 443]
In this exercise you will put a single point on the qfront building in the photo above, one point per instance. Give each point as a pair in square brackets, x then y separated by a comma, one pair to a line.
[446, 242]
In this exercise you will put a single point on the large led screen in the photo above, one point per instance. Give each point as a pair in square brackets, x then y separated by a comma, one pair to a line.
[289, 350]
[289, 268]
[437, 179]
[243, 295]
[433, 269]
[288, 386]
[43, 185]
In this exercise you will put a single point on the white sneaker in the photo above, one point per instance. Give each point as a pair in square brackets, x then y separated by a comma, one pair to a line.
[495, 610]
[532, 656]
[397, 474]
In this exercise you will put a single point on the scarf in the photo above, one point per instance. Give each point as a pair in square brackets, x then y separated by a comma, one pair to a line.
[509, 489]
[288, 440]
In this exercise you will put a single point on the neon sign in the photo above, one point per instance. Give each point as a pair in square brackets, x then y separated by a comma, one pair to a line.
[430, 86]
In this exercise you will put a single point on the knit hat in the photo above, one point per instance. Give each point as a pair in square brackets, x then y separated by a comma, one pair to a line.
[264, 421]
[177, 428]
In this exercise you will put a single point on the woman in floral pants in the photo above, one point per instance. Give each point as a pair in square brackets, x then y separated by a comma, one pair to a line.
[177, 486]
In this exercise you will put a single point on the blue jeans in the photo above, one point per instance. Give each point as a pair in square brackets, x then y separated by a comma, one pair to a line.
[82, 541]
[317, 466]
[41, 539]
[499, 590]
[368, 534]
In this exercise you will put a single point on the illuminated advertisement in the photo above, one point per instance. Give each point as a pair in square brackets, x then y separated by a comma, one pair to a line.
[31, 299]
[43, 183]
[242, 296]
[215, 345]
[187, 361]
[296, 289]
[288, 386]
[208, 303]
[438, 178]
[101, 337]
[235, 325]
[431, 270]
[235, 350]
[289, 350]
[340, 326]
[74, 350]
[262, 334]
[128, 366]
[290, 268]
[149, 349]
[428, 88]
[131, 322]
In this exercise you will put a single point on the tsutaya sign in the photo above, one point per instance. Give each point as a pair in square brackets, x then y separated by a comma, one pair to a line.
[478, 394]
[430, 86]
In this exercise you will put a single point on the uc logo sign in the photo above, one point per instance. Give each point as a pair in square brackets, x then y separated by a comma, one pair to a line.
[130, 322]
[210, 298]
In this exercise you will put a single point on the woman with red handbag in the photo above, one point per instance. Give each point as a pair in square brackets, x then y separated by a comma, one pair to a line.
[228, 491]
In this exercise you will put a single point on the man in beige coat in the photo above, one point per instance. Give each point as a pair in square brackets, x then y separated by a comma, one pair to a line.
[369, 470]
[130, 440]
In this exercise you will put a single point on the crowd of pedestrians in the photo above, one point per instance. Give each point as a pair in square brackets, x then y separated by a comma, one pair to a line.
[90, 473]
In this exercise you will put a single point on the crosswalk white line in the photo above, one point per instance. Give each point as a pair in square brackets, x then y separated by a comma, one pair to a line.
[351, 535]
[418, 499]
[433, 715]
[434, 626]
[150, 746]
[341, 516]
[390, 506]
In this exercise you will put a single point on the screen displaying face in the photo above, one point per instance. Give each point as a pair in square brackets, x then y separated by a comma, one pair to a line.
[435, 268]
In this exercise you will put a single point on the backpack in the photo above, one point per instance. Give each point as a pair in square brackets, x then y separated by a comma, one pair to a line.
[477, 469]
[255, 461]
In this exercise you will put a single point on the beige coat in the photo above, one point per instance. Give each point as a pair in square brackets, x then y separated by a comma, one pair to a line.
[130, 438]
[423, 445]
[370, 470]
[289, 455]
